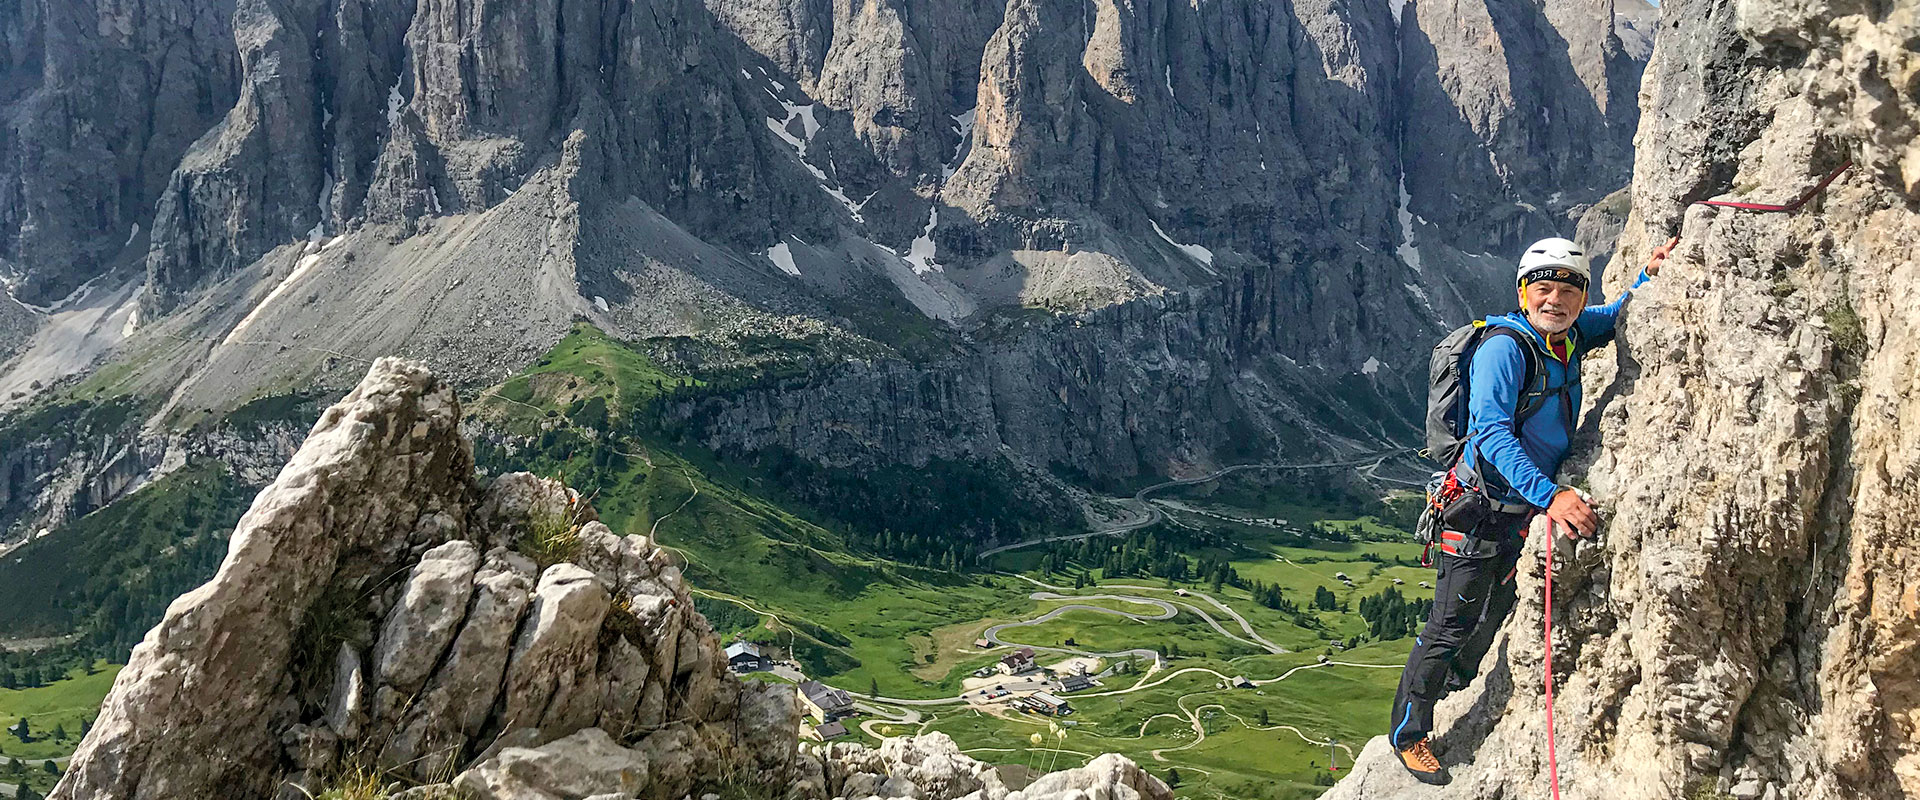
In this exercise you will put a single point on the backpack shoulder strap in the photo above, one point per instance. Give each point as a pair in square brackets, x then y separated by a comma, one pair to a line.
[1524, 408]
[1521, 408]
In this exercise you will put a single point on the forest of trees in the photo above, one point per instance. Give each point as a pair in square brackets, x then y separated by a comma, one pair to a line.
[936, 515]
[1162, 552]
[27, 670]
[1154, 552]
[1390, 615]
[103, 580]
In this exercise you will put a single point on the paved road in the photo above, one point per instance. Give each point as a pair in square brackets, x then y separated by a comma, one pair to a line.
[1147, 514]
[878, 716]
[1138, 521]
[1168, 609]
[7, 790]
[1257, 639]
[1373, 472]
[1148, 681]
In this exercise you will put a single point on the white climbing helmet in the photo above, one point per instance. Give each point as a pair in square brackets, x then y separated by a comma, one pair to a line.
[1556, 255]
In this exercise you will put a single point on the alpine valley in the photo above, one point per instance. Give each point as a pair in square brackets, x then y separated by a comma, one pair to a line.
[948, 358]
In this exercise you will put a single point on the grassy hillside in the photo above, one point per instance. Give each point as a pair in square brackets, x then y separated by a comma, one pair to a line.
[778, 558]
[56, 714]
[1239, 756]
[107, 576]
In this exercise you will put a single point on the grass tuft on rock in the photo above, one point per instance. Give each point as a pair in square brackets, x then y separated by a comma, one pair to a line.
[551, 538]
[1844, 325]
[356, 784]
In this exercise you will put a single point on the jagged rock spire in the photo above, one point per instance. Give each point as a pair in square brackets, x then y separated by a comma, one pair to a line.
[379, 609]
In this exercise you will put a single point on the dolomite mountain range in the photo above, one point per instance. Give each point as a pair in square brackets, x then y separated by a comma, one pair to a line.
[1102, 238]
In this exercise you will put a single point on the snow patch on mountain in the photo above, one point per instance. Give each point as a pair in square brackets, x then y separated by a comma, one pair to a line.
[809, 127]
[1409, 252]
[782, 256]
[921, 253]
[1193, 251]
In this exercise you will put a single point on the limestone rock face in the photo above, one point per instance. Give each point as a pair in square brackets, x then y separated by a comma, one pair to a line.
[430, 611]
[357, 621]
[350, 113]
[458, 700]
[1108, 775]
[1747, 627]
[929, 765]
[585, 764]
[1220, 205]
[102, 99]
[1519, 114]
[556, 651]
[342, 512]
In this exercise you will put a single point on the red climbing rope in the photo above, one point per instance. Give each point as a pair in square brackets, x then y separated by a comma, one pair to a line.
[1789, 207]
[1553, 759]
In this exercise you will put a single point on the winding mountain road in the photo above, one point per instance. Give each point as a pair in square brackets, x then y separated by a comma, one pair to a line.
[1152, 514]
[1256, 639]
[905, 712]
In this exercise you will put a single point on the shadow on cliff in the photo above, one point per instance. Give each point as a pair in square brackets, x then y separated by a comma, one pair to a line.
[1465, 736]
[1548, 109]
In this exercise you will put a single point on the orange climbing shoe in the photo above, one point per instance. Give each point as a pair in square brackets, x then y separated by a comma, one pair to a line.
[1420, 761]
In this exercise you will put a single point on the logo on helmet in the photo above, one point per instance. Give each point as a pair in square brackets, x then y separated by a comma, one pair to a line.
[1560, 274]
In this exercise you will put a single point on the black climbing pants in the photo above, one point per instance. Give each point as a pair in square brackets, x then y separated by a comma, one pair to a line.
[1472, 594]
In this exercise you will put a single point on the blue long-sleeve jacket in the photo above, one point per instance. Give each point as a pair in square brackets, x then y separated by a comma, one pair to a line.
[1529, 461]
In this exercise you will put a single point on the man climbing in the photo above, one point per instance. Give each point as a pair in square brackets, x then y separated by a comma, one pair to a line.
[1521, 392]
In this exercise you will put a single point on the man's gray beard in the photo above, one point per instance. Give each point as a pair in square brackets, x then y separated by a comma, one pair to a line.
[1535, 322]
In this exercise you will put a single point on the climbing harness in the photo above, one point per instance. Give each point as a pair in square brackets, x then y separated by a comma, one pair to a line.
[1443, 490]
[1788, 207]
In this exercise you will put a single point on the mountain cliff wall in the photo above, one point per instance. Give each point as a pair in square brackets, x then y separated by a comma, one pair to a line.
[1125, 239]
